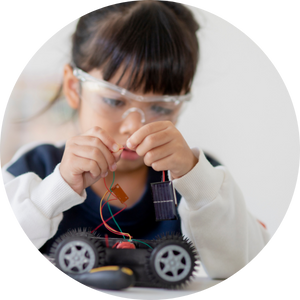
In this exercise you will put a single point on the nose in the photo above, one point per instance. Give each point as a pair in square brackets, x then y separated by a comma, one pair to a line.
[134, 118]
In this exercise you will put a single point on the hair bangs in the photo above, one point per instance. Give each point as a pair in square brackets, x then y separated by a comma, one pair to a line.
[149, 44]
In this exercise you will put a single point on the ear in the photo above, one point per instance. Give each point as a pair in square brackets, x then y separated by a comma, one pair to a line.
[71, 87]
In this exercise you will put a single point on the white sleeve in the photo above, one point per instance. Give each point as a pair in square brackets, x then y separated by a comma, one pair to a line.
[215, 217]
[38, 204]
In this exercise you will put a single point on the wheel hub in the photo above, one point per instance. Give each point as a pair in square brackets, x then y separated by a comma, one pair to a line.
[172, 263]
[76, 257]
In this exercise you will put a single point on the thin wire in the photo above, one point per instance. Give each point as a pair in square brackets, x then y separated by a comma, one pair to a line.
[107, 226]
[142, 243]
[111, 216]
[116, 244]
[109, 205]
[109, 189]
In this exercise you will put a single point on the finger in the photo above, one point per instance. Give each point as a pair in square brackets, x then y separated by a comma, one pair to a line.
[107, 140]
[117, 155]
[163, 164]
[93, 148]
[158, 153]
[82, 164]
[144, 131]
[92, 153]
[153, 141]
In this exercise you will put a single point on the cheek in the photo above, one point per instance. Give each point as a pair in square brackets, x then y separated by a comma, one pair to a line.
[88, 119]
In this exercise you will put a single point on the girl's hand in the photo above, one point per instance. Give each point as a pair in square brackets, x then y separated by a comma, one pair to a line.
[88, 157]
[163, 148]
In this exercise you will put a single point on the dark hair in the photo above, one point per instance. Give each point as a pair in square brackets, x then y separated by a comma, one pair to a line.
[154, 40]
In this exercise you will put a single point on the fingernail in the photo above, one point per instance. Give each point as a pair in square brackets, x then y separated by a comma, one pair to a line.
[115, 147]
[129, 145]
[104, 174]
[113, 167]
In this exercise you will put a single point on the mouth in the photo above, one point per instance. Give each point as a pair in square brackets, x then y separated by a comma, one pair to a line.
[124, 147]
[129, 154]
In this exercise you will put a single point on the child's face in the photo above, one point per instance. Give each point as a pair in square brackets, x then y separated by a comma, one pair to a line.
[120, 131]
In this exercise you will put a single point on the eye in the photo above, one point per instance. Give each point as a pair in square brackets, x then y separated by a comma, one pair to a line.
[113, 102]
[161, 110]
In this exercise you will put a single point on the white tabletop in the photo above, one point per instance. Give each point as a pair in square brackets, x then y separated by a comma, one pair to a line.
[197, 287]
[199, 283]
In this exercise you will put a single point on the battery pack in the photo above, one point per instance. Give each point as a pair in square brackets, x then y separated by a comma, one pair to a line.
[164, 199]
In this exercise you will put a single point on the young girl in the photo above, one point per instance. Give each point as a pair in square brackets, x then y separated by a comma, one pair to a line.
[130, 76]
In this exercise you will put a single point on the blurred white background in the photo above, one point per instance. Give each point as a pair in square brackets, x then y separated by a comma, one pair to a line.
[241, 113]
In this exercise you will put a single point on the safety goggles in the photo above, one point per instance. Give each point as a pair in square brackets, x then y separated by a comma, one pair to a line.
[116, 103]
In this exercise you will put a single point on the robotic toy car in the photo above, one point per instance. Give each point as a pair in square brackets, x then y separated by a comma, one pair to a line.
[169, 261]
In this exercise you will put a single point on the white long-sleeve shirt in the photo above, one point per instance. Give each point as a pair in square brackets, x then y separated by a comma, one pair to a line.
[212, 210]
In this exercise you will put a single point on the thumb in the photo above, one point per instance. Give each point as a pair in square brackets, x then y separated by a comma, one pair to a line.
[117, 155]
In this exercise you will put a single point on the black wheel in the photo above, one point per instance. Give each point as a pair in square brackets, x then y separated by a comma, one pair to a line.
[77, 252]
[172, 262]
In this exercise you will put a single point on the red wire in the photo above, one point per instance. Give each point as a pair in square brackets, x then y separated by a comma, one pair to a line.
[117, 243]
[163, 179]
[104, 222]
[108, 188]
[113, 230]
[109, 217]
[264, 225]
[118, 150]
[110, 228]
[103, 206]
